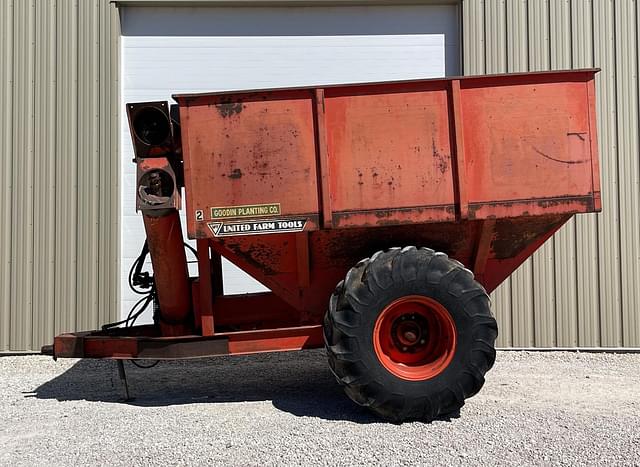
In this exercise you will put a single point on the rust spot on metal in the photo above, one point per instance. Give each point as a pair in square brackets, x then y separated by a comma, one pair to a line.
[235, 174]
[392, 216]
[343, 248]
[228, 109]
[382, 213]
[473, 208]
[552, 202]
[514, 235]
[261, 256]
[534, 207]
[442, 160]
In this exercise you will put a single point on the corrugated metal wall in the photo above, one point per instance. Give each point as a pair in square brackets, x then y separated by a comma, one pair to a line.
[59, 169]
[59, 81]
[581, 288]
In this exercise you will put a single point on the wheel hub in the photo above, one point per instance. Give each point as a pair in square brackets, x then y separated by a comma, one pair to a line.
[409, 332]
[415, 337]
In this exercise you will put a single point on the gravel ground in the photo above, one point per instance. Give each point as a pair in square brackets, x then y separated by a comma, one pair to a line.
[535, 409]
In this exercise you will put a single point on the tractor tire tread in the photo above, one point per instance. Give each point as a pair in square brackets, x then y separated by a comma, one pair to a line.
[356, 294]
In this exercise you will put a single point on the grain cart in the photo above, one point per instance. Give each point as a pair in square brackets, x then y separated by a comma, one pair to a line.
[379, 216]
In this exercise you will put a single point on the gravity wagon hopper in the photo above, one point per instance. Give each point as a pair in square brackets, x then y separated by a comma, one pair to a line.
[379, 216]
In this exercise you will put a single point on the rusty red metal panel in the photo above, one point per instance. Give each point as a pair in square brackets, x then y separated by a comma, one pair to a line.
[389, 154]
[393, 153]
[249, 156]
[528, 143]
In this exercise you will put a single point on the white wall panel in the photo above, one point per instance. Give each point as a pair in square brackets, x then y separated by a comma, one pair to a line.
[175, 50]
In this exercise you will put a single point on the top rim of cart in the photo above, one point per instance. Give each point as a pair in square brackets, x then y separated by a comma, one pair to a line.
[373, 83]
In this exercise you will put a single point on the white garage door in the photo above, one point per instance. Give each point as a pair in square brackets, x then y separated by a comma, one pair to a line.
[185, 49]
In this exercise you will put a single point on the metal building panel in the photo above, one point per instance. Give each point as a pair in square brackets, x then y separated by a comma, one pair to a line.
[586, 228]
[88, 162]
[517, 40]
[544, 312]
[48, 254]
[22, 182]
[583, 282]
[473, 37]
[6, 166]
[66, 167]
[564, 276]
[587, 281]
[560, 34]
[628, 166]
[44, 206]
[542, 262]
[538, 24]
[109, 169]
[608, 219]
[495, 36]
[522, 291]
[501, 307]
[564, 245]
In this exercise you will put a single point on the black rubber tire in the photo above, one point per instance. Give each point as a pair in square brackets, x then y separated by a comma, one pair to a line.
[359, 299]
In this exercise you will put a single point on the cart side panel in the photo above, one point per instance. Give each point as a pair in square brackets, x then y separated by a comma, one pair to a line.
[493, 249]
[528, 145]
[252, 155]
[390, 155]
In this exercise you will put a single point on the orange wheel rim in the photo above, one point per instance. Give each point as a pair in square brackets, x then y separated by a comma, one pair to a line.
[415, 338]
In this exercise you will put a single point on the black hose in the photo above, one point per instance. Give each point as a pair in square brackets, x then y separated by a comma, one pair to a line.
[149, 293]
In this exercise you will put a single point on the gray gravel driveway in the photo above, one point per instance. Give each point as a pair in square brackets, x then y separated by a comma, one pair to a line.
[535, 409]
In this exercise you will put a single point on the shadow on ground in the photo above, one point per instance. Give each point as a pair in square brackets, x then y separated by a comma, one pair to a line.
[296, 382]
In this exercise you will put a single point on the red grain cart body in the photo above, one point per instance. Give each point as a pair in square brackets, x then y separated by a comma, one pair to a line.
[427, 180]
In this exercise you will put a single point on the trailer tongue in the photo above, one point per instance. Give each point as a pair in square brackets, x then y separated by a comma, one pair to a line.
[443, 186]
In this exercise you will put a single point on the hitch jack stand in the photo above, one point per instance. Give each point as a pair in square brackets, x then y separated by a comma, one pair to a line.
[123, 377]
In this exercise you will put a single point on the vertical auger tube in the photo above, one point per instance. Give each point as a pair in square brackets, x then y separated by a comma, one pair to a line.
[158, 198]
[170, 272]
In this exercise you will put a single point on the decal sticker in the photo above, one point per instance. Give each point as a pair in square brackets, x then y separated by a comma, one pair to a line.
[259, 227]
[248, 210]
[199, 215]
